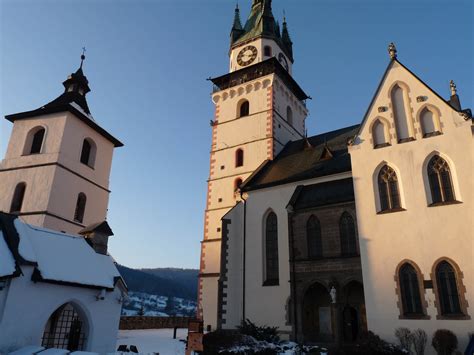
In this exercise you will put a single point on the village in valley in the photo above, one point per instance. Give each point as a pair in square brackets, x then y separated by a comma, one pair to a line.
[355, 239]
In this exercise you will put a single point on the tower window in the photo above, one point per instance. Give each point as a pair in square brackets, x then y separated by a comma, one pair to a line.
[244, 108]
[34, 141]
[237, 183]
[439, 177]
[289, 115]
[388, 189]
[267, 51]
[80, 207]
[239, 158]
[313, 238]
[271, 250]
[18, 196]
[410, 291]
[348, 235]
[88, 152]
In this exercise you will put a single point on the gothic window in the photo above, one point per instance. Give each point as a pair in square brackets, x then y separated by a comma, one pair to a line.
[34, 141]
[347, 234]
[244, 108]
[313, 238]
[439, 177]
[427, 122]
[388, 189]
[271, 249]
[237, 184]
[447, 289]
[267, 51]
[400, 115]
[18, 197]
[80, 207]
[410, 290]
[379, 134]
[88, 152]
[239, 158]
[289, 115]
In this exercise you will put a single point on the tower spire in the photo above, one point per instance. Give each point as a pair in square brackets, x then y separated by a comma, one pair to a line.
[285, 36]
[237, 29]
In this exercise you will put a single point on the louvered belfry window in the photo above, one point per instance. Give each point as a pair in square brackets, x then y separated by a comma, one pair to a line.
[80, 208]
[18, 196]
[388, 189]
[439, 176]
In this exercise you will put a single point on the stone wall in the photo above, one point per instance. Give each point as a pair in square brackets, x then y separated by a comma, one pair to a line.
[143, 322]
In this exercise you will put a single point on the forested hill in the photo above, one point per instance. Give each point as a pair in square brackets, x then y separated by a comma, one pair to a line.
[172, 282]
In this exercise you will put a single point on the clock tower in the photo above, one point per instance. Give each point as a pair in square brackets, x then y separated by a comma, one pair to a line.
[259, 108]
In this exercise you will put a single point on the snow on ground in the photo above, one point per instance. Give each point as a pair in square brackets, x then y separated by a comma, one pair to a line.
[154, 340]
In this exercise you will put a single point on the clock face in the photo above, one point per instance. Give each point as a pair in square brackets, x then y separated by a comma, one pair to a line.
[247, 55]
[283, 61]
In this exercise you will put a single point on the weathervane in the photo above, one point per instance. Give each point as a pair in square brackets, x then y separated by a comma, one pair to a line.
[392, 50]
[83, 55]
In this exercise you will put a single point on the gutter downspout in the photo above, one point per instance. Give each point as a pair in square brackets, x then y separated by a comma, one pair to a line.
[243, 254]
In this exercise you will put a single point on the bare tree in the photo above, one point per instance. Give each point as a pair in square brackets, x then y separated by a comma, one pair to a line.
[419, 340]
[404, 338]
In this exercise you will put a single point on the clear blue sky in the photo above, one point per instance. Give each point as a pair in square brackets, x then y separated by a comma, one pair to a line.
[147, 62]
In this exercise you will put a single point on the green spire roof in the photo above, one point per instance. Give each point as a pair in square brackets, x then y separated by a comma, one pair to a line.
[260, 23]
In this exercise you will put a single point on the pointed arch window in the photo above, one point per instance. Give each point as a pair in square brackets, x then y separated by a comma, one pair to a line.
[447, 289]
[313, 237]
[18, 196]
[410, 291]
[80, 208]
[88, 152]
[289, 115]
[439, 176]
[388, 189]
[379, 135]
[428, 123]
[239, 158]
[271, 250]
[402, 124]
[347, 234]
[244, 108]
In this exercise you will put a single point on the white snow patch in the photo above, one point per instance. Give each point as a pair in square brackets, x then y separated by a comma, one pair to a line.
[79, 108]
[27, 350]
[7, 262]
[150, 341]
[54, 351]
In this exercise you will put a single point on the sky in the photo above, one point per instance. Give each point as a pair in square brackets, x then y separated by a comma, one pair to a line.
[147, 64]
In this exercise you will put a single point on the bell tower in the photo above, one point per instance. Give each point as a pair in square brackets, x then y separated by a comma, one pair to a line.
[56, 169]
[259, 108]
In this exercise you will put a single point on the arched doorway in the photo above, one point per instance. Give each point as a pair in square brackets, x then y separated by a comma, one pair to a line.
[317, 314]
[65, 329]
[353, 314]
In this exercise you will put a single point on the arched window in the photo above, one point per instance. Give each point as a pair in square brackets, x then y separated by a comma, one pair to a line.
[289, 115]
[34, 141]
[313, 238]
[267, 51]
[239, 158]
[65, 329]
[18, 196]
[80, 207]
[410, 290]
[88, 152]
[388, 189]
[427, 122]
[347, 234]
[271, 249]
[439, 177]
[400, 116]
[237, 183]
[244, 108]
[447, 289]
[378, 135]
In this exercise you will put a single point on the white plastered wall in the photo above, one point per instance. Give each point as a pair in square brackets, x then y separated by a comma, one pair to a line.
[421, 234]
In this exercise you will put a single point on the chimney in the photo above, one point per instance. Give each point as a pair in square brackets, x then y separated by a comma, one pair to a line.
[97, 235]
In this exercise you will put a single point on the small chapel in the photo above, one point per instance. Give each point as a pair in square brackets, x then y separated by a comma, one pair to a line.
[364, 228]
[59, 287]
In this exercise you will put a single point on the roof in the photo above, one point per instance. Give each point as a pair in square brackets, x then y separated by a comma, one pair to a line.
[322, 194]
[100, 227]
[57, 258]
[246, 74]
[306, 159]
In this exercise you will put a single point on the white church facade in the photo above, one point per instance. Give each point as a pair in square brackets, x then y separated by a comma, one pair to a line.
[59, 288]
[367, 227]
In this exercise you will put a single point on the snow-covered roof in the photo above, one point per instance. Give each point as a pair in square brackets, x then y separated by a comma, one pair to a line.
[57, 257]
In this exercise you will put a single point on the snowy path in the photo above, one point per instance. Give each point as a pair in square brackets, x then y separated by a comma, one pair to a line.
[154, 340]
